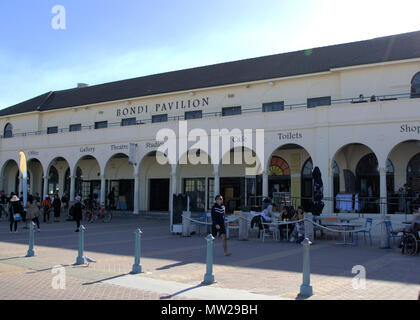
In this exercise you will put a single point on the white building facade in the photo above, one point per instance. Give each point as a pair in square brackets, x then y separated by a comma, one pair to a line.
[357, 118]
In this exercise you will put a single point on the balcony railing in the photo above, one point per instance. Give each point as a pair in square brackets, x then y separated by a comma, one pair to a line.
[205, 115]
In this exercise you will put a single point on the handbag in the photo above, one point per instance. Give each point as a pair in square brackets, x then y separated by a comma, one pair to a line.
[16, 216]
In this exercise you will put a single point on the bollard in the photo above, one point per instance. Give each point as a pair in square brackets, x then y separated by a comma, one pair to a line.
[308, 225]
[137, 265]
[243, 226]
[306, 288]
[385, 243]
[31, 251]
[209, 277]
[80, 259]
[186, 215]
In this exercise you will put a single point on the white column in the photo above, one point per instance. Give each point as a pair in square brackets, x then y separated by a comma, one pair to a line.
[103, 191]
[45, 186]
[382, 191]
[383, 209]
[216, 179]
[265, 184]
[136, 192]
[72, 188]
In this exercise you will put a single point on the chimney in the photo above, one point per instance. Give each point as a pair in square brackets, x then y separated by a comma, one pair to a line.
[82, 85]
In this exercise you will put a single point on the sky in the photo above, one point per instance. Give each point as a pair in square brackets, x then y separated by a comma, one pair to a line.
[98, 41]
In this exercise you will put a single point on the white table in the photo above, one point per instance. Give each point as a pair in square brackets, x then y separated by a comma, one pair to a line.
[345, 226]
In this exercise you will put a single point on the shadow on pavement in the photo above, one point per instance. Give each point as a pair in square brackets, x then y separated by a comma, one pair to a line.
[182, 291]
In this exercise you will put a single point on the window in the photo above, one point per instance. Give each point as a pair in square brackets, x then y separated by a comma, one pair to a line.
[193, 115]
[321, 101]
[101, 124]
[75, 127]
[159, 118]
[273, 106]
[8, 131]
[51, 130]
[231, 111]
[415, 86]
[128, 122]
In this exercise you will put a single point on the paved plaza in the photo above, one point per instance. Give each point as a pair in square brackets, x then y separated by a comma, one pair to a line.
[174, 266]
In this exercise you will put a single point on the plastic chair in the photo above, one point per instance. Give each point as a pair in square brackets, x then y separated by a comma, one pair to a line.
[367, 228]
[231, 223]
[268, 232]
[202, 217]
[391, 233]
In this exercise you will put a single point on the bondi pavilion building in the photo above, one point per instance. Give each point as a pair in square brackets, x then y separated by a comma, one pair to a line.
[353, 110]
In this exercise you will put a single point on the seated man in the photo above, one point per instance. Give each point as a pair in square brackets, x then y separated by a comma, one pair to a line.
[286, 215]
[298, 231]
[267, 213]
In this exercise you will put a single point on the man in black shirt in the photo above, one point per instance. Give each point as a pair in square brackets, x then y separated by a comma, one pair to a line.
[218, 222]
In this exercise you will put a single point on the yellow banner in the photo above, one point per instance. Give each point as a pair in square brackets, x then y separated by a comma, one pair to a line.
[22, 164]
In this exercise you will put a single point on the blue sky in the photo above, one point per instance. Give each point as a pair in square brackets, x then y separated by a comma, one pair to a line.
[109, 40]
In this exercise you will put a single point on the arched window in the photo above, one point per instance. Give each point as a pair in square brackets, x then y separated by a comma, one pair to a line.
[413, 173]
[306, 185]
[278, 176]
[8, 131]
[415, 86]
[367, 183]
[52, 181]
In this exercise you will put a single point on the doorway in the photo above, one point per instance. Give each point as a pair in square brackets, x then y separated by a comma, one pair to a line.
[159, 195]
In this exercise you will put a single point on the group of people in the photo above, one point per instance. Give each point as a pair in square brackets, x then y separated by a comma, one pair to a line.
[294, 232]
[13, 207]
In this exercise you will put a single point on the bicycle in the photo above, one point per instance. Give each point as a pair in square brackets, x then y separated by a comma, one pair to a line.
[102, 214]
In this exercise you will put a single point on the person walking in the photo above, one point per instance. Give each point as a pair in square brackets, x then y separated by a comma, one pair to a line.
[32, 210]
[218, 222]
[111, 199]
[46, 207]
[57, 208]
[15, 209]
[76, 212]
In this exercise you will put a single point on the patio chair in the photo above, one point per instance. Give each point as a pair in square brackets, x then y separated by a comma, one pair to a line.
[204, 218]
[267, 231]
[232, 223]
[391, 234]
[366, 229]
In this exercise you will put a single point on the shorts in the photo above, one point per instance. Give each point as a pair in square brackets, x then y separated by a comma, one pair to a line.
[221, 231]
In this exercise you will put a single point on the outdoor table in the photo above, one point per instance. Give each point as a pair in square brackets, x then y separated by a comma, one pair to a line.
[345, 226]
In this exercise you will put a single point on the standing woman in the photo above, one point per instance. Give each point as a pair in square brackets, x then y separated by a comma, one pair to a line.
[33, 210]
[15, 208]
[57, 208]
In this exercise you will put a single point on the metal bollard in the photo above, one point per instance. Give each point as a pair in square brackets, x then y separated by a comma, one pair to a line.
[137, 265]
[243, 226]
[186, 223]
[209, 277]
[306, 288]
[80, 259]
[31, 251]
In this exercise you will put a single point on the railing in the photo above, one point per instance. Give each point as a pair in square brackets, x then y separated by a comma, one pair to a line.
[216, 114]
[366, 205]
